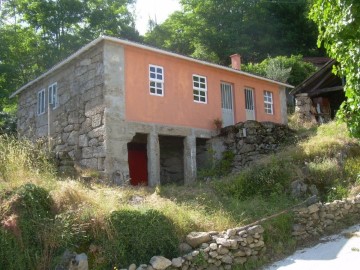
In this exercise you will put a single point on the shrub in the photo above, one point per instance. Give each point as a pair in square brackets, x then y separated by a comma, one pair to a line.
[137, 236]
[218, 168]
[261, 179]
[25, 215]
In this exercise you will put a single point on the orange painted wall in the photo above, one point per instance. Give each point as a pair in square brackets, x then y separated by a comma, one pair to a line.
[177, 107]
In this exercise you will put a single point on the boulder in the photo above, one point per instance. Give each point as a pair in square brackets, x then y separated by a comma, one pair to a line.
[195, 239]
[160, 262]
[177, 262]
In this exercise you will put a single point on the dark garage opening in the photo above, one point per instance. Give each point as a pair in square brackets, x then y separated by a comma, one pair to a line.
[137, 158]
[171, 160]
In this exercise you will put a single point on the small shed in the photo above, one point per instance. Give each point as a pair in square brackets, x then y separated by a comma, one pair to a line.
[319, 97]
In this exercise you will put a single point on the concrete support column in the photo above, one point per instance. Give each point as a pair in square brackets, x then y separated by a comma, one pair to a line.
[153, 153]
[189, 159]
[283, 105]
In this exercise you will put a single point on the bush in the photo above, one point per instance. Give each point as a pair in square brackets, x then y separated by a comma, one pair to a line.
[262, 179]
[25, 216]
[138, 236]
[218, 168]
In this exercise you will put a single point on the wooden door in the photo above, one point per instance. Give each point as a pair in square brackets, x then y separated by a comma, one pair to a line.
[137, 158]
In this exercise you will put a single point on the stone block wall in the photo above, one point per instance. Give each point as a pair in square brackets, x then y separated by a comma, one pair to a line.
[76, 126]
[318, 218]
[250, 140]
[303, 105]
[214, 250]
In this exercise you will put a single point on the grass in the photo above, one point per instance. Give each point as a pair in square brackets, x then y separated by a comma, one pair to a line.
[82, 215]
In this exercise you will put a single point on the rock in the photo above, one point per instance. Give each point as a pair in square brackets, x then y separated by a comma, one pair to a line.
[239, 253]
[224, 242]
[142, 267]
[240, 260]
[227, 259]
[298, 188]
[160, 262]
[195, 239]
[255, 229]
[213, 246]
[231, 232]
[177, 262]
[66, 260]
[132, 266]
[185, 248]
[313, 208]
[222, 250]
[213, 254]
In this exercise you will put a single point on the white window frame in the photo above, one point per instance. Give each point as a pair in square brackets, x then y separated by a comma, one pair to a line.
[53, 99]
[156, 80]
[199, 88]
[268, 102]
[41, 102]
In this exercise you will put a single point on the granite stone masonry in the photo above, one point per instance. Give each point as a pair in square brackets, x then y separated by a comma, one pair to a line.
[303, 105]
[319, 218]
[76, 129]
[250, 141]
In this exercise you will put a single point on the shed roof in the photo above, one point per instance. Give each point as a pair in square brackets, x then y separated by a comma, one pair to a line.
[145, 47]
[322, 81]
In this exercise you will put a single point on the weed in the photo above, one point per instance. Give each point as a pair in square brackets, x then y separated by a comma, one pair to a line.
[218, 168]
[138, 236]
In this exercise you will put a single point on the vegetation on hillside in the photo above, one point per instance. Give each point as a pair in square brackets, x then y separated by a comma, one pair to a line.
[339, 32]
[43, 214]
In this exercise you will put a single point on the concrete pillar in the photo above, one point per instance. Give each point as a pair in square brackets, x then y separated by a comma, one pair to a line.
[153, 153]
[283, 105]
[189, 159]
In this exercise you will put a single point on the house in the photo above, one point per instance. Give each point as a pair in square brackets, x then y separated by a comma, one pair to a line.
[136, 112]
[319, 96]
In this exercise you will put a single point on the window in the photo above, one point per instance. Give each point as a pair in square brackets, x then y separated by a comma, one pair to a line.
[156, 76]
[41, 102]
[268, 102]
[199, 89]
[53, 96]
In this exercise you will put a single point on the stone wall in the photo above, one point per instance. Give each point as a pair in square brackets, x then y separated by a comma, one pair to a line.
[76, 126]
[303, 105]
[250, 140]
[319, 218]
[213, 250]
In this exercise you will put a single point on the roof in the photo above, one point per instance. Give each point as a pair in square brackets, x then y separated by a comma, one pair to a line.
[141, 46]
[317, 61]
[322, 81]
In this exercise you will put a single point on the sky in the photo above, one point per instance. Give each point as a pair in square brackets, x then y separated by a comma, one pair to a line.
[161, 9]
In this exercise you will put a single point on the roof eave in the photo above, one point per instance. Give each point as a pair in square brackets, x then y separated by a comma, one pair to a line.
[130, 43]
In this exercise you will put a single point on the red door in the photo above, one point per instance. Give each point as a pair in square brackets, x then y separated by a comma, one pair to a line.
[137, 156]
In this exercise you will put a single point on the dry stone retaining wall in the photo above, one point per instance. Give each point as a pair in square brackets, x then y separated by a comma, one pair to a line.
[318, 218]
[250, 140]
[214, 250]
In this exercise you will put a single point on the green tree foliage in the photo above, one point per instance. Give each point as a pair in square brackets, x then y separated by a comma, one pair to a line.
[339, 31]
[292, 70]
[215, 29]
[36, 34]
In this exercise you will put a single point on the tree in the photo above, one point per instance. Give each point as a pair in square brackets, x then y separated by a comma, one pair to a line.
[66, 25]
[254, 28]
[292, 70]
[339, 31]
[36, 34]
